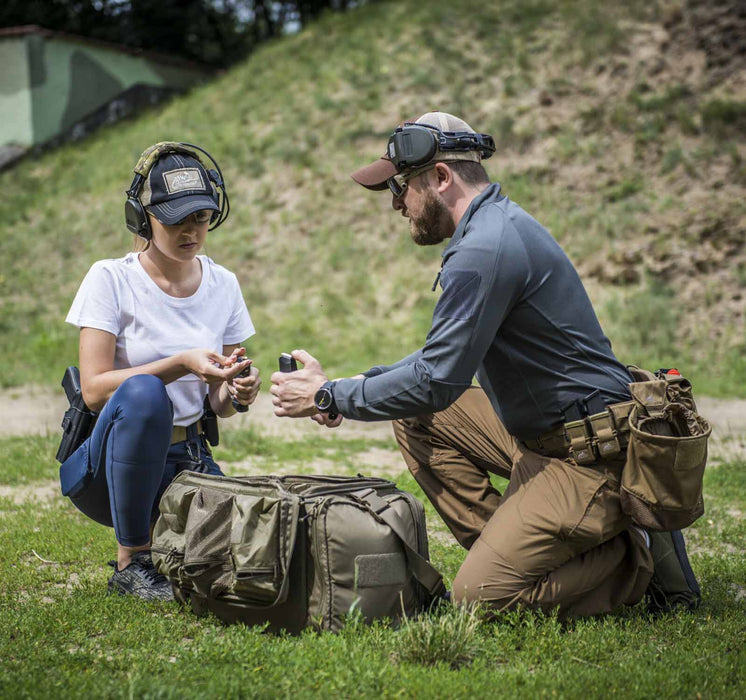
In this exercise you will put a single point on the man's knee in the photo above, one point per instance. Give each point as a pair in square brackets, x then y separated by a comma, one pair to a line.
[485, 577]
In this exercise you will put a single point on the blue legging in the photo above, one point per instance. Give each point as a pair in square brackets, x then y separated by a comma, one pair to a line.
[132, 461]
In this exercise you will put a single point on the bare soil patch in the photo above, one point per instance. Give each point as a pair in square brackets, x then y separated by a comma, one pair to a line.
[33, 410]
[42, 492]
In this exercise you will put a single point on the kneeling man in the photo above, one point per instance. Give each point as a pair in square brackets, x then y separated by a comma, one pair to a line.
[514, 313]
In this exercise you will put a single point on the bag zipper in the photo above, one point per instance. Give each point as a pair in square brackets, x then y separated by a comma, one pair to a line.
[256, 572]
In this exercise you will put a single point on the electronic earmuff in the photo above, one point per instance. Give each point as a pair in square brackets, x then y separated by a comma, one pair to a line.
[412, 145]
[135, 215]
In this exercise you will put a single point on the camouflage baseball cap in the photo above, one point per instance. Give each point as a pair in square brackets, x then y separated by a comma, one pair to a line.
[375, 175]
[177, 186]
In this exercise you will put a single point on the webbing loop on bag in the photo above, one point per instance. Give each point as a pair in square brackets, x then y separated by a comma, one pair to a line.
[372, 500]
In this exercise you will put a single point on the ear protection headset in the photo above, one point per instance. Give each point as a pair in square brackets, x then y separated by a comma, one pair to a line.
[413, 144]
[134, 212]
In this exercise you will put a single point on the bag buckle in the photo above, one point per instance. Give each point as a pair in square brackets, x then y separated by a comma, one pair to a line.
[372, 500]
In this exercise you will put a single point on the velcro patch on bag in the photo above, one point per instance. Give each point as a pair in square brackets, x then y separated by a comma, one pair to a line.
[372, 570]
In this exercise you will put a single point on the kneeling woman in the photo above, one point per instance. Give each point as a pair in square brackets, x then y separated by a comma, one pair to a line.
[159, 329]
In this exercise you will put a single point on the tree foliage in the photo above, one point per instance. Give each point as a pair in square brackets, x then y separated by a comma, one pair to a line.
[216, 32]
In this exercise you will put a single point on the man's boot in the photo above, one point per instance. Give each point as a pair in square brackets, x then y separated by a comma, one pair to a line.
[673, 584]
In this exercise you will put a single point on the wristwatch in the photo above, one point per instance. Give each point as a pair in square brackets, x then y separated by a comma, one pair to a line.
[324, 400]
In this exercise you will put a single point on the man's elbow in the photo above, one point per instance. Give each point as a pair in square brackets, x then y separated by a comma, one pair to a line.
[443, 395]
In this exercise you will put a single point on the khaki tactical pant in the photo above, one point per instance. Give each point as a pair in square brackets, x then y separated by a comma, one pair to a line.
[556, 537]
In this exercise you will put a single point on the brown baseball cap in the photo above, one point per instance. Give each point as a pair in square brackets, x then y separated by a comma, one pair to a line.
[375, 175]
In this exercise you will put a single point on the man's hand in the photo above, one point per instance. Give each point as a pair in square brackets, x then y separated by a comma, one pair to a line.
[293, 392]
[323, 419]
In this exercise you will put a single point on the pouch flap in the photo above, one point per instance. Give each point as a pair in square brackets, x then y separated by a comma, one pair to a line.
[650, 395]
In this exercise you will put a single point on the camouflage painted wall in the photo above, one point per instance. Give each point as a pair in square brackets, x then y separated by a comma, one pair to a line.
[15, 93]
[51, 83]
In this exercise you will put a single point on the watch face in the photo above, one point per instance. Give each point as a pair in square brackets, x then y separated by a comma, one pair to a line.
[323, 399]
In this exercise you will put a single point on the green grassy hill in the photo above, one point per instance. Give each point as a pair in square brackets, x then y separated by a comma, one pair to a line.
[617, 127]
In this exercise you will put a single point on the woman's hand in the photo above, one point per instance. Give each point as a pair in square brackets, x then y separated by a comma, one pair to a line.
[208, 365]
[244, 388]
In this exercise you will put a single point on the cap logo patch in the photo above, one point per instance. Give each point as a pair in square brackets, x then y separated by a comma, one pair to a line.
[183, 179]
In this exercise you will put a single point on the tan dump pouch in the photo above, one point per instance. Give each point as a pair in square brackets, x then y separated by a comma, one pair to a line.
[661, 485]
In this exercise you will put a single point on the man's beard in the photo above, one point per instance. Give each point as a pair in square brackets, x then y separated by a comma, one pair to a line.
[434, 225]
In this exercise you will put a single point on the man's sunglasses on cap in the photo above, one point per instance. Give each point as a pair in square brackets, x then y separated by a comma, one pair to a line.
[412, 145]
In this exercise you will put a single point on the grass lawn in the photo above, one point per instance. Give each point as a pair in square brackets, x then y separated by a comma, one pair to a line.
[62, 636]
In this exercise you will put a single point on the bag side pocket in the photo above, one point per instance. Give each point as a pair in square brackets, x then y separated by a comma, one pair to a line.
[207, 543]
[256, 548]
[169, 534]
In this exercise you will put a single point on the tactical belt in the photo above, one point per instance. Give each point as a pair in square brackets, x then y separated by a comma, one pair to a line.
[587, 440]
[184, 432]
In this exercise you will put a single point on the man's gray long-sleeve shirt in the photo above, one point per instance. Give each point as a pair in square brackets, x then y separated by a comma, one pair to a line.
[514, 313]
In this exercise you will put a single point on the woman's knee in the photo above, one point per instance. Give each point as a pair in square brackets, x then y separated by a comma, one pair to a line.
[144, 397]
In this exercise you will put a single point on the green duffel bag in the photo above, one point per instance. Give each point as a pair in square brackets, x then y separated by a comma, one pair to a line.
[661, 486]
[294, 551]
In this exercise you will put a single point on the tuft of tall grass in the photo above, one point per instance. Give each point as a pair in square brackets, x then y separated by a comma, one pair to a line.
[450, 636]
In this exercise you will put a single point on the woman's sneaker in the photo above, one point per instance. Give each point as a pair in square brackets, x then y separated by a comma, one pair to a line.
[673, 585]
[140, 579]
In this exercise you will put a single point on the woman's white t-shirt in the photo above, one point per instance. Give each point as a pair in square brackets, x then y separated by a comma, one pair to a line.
[119, 297]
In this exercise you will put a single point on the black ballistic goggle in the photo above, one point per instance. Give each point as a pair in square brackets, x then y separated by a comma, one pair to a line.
[415, 144]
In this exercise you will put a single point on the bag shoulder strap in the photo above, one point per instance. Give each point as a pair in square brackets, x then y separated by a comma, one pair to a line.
[422, 569]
